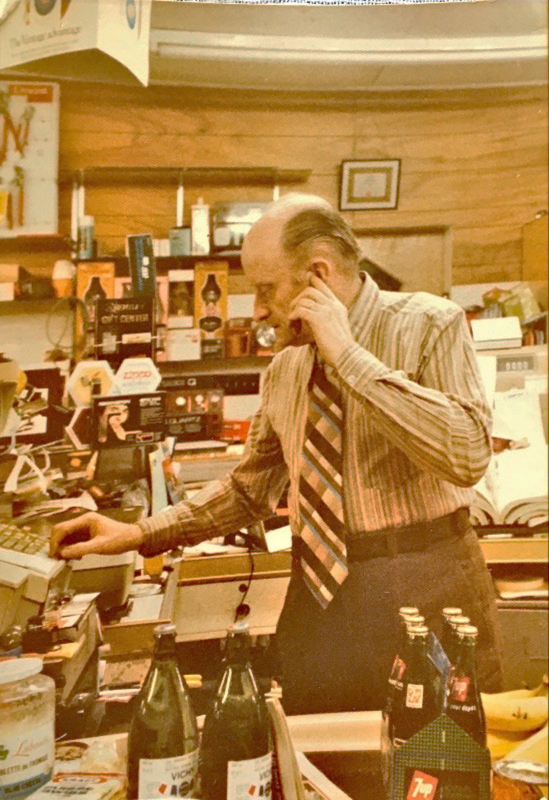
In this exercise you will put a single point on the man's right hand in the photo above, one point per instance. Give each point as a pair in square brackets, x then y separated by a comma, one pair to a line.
[93, 533]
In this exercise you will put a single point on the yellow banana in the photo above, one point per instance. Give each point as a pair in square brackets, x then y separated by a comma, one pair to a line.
[504, 713]
[534, 748]
[500, 744]
[543, 689]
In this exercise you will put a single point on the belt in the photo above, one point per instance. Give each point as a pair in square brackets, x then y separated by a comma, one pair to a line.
[389, 542]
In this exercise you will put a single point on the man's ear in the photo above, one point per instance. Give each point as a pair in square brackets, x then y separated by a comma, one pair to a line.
[322, 268]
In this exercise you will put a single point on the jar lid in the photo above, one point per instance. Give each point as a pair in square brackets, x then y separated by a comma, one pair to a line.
[530, 772]
[16, 669]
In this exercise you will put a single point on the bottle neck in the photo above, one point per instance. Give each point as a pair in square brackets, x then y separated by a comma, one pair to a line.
[164, 648]
[465, 658]
[417, 666]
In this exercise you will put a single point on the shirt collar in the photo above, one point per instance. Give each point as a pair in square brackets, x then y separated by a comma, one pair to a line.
[362, 310]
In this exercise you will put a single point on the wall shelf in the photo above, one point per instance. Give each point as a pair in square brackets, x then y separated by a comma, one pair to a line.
[187, 176]
[518, 550]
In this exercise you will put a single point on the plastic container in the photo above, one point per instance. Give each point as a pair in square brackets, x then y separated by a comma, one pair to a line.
[27, 727]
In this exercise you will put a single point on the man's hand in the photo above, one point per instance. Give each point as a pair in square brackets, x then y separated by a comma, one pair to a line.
[326, 316]
[93, 533]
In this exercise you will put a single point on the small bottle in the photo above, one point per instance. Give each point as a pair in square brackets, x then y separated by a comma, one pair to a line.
[86, 226]
[94, 292]
[163, 736]
[408, 617]
[200, 228]
[418, 702]
[450, 639]
[463, 702]
[236, 748]
[211, 293]
[447, 612]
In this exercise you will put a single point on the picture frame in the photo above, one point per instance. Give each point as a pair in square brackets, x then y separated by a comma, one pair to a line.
[371, 184]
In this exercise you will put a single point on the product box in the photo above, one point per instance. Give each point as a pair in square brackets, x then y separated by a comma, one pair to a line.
[193, 414]
[210, 306]
[124, 329]
[238, 337]
[94, 280]
[440, 762]
[182, 344]
[180, 298]
[130, 420]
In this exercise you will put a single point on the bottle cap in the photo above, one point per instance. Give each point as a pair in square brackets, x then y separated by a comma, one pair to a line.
[451, 612]
[408, 610]
[16, 669]
[165, 629]
[239, 627]
[418, 630]
[415, 619]
[467, 631]
[458, 620]
[86, 220]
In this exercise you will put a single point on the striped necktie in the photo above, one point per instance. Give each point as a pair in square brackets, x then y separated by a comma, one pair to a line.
[322, 530]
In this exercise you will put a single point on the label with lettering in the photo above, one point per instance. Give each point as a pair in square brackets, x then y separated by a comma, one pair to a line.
[422, 786]
[439, 784]
[414, 695]
[460, 689]
[26, 762]
[251, 778]
[168, 777]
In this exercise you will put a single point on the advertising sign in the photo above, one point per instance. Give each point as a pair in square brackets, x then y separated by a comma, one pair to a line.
[29, 145]
[37, 29]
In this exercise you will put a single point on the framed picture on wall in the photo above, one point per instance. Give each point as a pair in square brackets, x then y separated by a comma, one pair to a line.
[369, 184]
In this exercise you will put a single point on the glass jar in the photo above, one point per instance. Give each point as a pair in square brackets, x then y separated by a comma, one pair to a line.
[27, 722]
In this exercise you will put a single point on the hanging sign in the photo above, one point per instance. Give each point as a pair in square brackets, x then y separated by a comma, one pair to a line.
[37, 29]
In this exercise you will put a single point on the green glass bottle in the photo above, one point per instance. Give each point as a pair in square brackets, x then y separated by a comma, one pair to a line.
[236, 750]
[163, 736]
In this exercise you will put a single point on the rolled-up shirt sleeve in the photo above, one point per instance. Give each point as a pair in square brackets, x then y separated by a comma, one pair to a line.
[248, 493]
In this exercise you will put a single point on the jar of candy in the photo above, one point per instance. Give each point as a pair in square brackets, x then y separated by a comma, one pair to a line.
[27, 722]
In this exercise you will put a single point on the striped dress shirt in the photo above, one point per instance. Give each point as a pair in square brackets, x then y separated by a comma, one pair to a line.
[416, 437]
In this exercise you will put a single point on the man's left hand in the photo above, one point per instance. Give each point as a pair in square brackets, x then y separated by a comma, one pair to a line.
[327, 317]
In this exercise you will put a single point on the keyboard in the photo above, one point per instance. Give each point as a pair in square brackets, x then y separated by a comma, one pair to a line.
[24, 538]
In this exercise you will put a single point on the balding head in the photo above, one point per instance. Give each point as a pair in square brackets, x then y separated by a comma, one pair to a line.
[299, 223]
[297, 236]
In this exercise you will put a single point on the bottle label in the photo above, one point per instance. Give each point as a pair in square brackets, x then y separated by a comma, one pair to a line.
[250, 778]
[168, 777]
[414, 695]
[26, 762]
[460, 689]
[397, 672]
[422, 785]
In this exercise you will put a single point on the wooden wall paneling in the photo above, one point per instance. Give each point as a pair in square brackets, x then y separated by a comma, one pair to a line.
[472, 160]
[420, 258]
[534, 249]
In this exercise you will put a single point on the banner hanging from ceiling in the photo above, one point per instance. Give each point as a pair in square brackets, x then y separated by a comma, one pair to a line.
[36, 29]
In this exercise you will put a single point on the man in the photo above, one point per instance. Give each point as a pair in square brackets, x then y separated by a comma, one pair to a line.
[373, 411]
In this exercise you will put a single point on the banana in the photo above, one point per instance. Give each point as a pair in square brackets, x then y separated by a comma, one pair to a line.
[512, 713]
[500, 744]
[543, 689]
[534, 748]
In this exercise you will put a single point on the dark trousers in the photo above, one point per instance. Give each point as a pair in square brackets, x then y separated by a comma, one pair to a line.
[339, 659]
